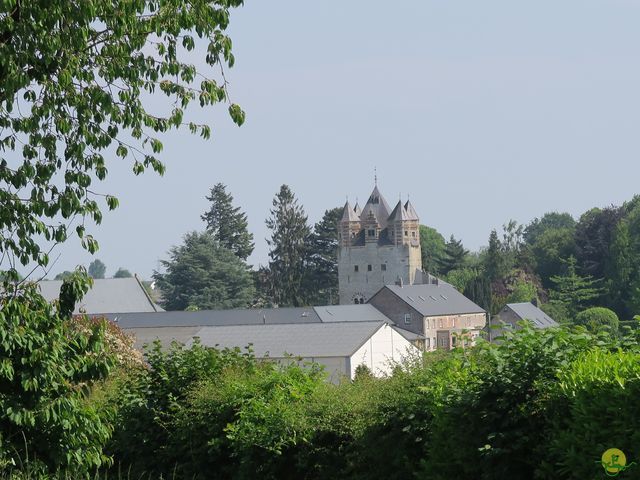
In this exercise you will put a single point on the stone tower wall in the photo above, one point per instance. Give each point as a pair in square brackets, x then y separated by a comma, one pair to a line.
[401, 261]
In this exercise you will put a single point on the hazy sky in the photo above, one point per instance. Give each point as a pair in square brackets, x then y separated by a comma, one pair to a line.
[481, 111]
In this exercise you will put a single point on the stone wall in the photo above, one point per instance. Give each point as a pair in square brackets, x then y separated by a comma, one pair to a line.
[377, 265]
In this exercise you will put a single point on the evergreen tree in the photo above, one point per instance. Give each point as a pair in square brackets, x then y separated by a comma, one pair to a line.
[322, 274]
[572, 291]
[493, 262]
[203, 274]
[288, 249]
[454, 256]
[97, 269]
[227, 224]
[479, 291]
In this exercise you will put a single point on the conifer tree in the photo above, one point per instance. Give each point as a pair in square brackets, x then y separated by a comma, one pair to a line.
[572, 291]
[204, 275]
[454, 255]
[288, 249]
[227, 224]
[322, 276]
[493, 261]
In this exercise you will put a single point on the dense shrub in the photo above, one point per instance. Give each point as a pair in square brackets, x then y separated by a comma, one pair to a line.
[542, 404]
[596, 318]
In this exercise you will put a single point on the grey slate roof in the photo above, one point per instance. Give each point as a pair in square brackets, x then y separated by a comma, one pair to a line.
[350, 313]
[108, 295]
[528, 311]
[411, 212]
[399, 213]
[431, 300]
[408, 335]
[379, 206]
[216, 317]
[336, 339]
[304, 340]
[349, 214]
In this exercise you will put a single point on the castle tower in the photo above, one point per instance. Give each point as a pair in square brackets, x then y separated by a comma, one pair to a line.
[377, 247]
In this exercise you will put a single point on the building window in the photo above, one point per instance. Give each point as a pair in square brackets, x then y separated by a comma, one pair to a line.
[369, 268]
[427, 343]
[407, 319]
[371, 233]
[440, 323]
[355, 268]
[453, 341]
[413, 234]
[454, 323]
[383, 267]
[406, 233]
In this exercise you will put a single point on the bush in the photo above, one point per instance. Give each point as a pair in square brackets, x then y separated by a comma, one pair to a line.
[47, 368]
[542, 404]
[595, 318]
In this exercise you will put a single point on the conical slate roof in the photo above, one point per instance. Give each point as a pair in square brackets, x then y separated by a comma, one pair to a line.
[411, 212]
[378, 205]
[399, 213]
[357, 209]
[349, 214]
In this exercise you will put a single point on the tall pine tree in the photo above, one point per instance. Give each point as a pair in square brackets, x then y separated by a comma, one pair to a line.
[227, 224]
[493, 261]
[288, 249]
[454, 256]
[322, 276]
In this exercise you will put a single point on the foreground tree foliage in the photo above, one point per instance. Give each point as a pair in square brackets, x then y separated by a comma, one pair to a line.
[73, 76]
[47, 367]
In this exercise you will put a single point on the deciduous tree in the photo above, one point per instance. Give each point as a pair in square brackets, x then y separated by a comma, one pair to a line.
[97, 269]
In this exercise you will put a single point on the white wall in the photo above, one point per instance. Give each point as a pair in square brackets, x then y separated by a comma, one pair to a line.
[381, 350]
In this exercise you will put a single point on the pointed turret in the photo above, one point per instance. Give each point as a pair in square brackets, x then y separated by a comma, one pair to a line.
[358, 210]
[349, 214]
[399, 213]
[411, 212]
[379, 206]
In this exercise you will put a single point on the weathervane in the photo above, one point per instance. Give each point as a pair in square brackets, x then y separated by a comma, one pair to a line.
[375, 176]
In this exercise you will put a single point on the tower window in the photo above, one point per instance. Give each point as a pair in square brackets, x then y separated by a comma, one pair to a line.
[355, 268]
[383, 267]
[413, 234]
[369, 268]
[406, 233]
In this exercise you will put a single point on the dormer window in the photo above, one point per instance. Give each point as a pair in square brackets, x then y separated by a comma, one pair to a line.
[371, 232]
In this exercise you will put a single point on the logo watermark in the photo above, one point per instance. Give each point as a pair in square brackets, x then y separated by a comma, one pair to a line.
[614, 461]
